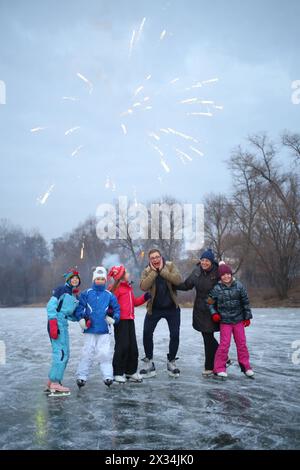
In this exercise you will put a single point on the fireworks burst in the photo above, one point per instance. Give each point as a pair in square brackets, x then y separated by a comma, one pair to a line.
[42, 199]
[154, 106]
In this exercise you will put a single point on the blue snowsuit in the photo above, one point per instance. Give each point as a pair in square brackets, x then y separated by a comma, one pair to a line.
[61, 306]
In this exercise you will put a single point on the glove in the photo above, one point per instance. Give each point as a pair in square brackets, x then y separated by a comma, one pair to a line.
[147, 296]
[85, 323]
[53, 328]
[216, 318]
[246, 323]
[82, 324]
[109, 320]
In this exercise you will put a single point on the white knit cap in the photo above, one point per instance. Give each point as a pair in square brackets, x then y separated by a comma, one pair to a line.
[100, 272]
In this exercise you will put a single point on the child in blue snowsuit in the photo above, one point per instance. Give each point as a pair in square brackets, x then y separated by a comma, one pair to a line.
[92, 310]
[60, 310]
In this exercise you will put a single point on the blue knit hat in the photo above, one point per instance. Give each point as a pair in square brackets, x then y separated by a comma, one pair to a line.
[71, 273]
[208, 254]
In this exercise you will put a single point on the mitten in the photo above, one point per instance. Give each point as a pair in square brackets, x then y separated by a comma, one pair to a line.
[216, 318]
[109, 320]
[53, 328]
[246, 323]
[83, 324]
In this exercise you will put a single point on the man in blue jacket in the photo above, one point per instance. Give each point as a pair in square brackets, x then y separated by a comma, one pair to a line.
[92, 315]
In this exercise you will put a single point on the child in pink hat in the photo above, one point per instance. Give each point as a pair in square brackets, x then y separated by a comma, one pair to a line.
[125, 360]
[229, 304]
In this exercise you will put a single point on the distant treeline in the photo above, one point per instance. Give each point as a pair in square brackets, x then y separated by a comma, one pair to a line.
[255, 227]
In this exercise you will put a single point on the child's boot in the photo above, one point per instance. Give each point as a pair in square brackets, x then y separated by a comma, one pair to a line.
[249, 373]
[80, 383]
[120, 379]
[56, 389]
[108, 382]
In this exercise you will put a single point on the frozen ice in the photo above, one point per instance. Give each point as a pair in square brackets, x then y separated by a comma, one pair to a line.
[189, 412]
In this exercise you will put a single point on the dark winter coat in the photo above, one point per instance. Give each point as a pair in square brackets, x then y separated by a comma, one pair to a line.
[203, 281]
[230, 302]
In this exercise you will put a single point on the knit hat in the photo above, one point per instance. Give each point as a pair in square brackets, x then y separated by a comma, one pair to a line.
[117, 272]
[208, 254]
[71, 273]
[100, 272]
[224, 269]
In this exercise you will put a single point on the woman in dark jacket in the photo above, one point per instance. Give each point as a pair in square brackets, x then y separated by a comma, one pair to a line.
[204, 277]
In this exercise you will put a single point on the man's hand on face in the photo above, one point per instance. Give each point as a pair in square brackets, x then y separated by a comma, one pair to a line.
[161, 265]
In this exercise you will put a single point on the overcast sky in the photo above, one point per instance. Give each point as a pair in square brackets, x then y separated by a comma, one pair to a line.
[252, 48]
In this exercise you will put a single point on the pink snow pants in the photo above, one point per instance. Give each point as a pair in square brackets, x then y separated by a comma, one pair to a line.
[238, 331]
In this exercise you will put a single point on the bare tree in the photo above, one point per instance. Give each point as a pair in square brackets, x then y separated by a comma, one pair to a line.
[264, 166]
[81, 248]
[267, 207]
[24, 260]
[292, 142]
[219, 223]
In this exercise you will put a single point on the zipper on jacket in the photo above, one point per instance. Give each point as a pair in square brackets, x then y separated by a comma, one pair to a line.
[131, 310]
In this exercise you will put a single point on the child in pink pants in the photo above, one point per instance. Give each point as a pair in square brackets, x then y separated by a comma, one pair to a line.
[229, 304]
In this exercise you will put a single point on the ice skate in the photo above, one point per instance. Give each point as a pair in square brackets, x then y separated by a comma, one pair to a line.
[229, 363]
[120, 379]
[207, 373]
[173, 370]
[108, 382]
[136, 377]
[249, 373]
[47, 387]
[58, 390]
[149, 369]
[80, 383]
[221, 375]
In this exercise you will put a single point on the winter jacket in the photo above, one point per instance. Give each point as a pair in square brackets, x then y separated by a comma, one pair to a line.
[93, 305]
[169, 273]
[62, 305]
[127, 300]
[230, 302]
[203, 281]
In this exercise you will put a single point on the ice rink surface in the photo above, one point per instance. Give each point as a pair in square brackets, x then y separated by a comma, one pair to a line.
[189, 412]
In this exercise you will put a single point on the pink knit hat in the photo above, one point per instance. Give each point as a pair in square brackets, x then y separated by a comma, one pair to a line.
[224, 269]
[117, 272]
